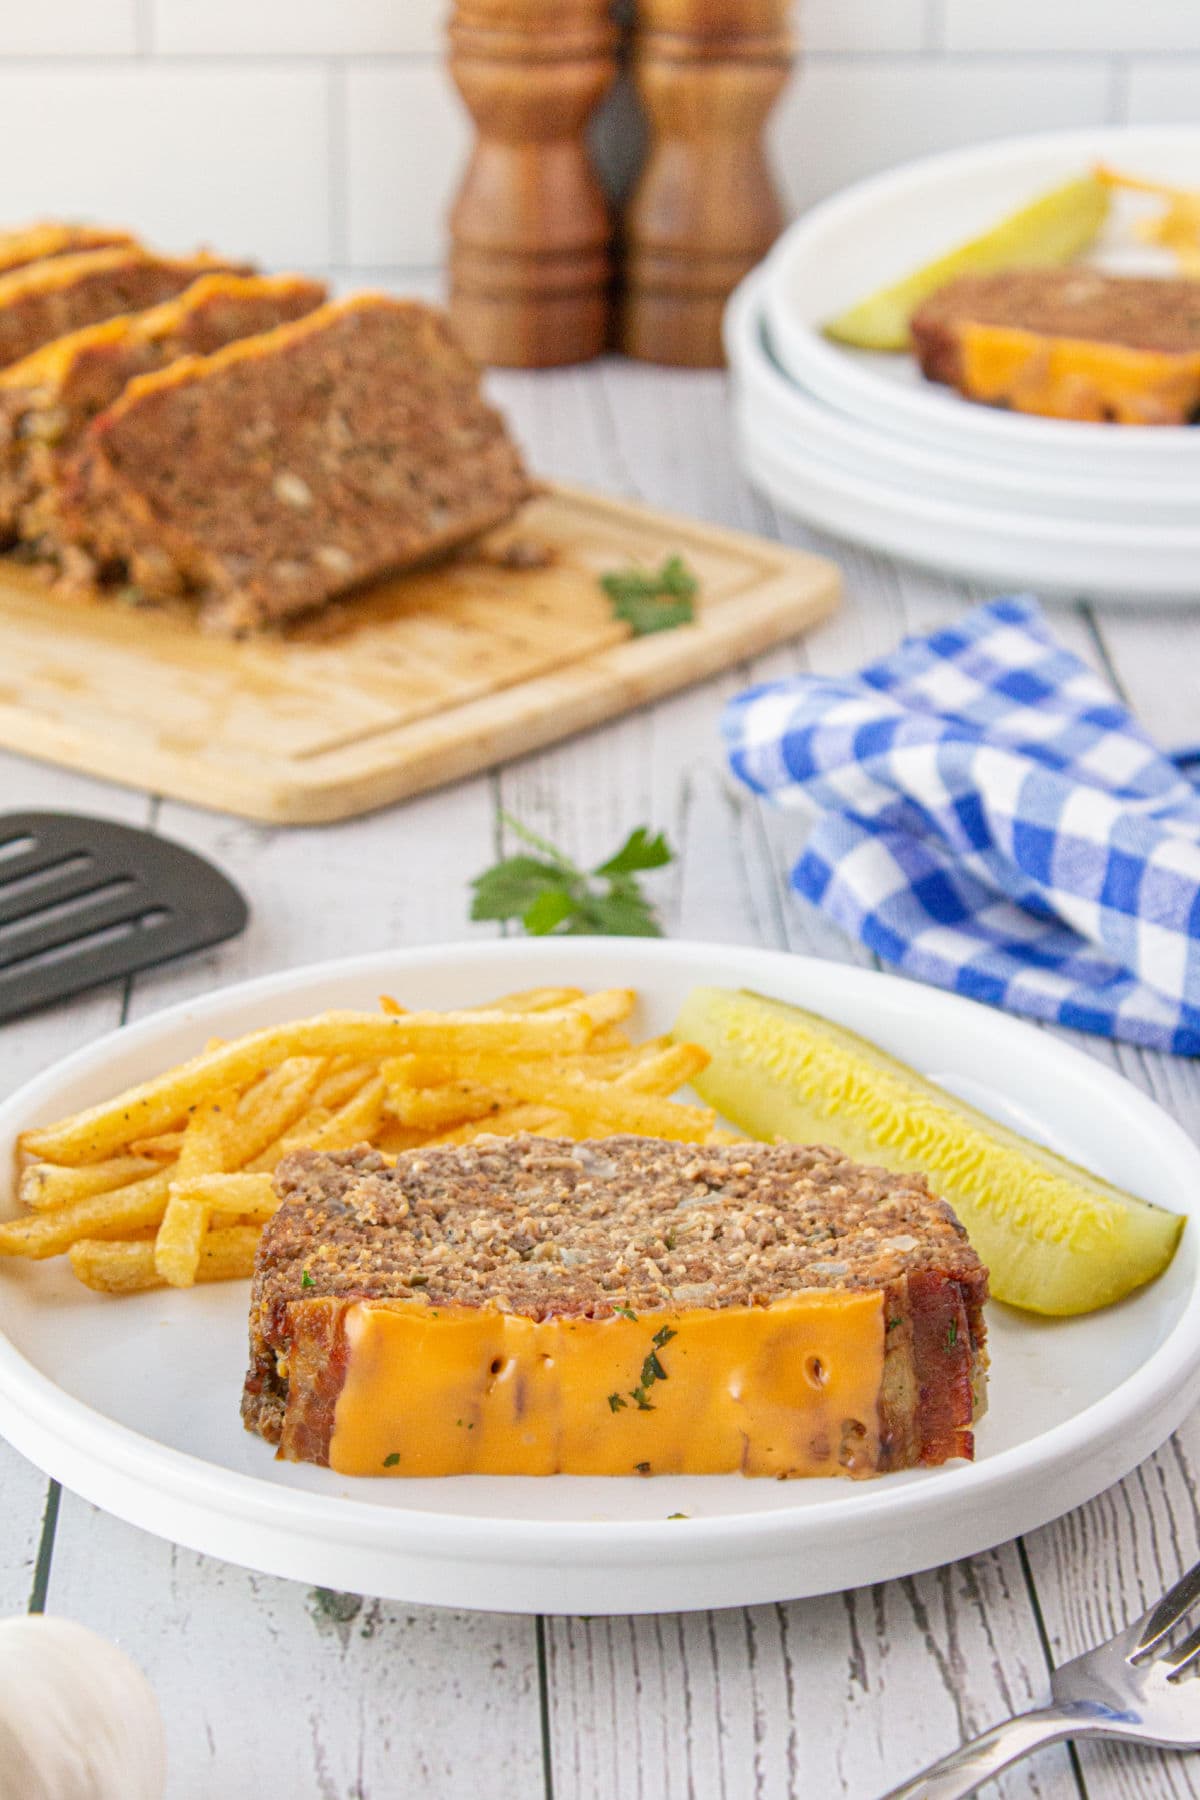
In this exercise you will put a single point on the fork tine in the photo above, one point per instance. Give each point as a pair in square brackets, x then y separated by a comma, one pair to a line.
[1184, 1655]
[1162, 1618]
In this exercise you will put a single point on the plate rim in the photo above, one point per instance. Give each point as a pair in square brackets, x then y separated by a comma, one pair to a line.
[883, 518]
[125, 1454]
[798, 344]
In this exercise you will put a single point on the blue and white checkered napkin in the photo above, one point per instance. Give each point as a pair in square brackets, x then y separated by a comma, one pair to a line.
[991, 820]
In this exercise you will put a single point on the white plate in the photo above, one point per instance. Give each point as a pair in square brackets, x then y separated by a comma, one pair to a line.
[134, 1403]
[1058, 558]
[879, 229]
[781, 408]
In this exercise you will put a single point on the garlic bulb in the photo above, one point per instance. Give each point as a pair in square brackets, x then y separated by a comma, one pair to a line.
[78, 1720]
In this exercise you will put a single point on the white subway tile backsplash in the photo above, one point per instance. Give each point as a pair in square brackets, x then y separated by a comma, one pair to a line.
[407, 134]
[238, 158]
[840, 121]
[67, 27]
[296, 27]
[1073, 25]
[872, 25]
[311, 132]
[1166, 93]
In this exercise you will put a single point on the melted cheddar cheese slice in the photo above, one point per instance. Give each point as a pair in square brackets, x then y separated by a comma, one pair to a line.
[786, 1389]
[1069, 378]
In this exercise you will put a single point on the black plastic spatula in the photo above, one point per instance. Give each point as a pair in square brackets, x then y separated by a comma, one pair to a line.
[84, 901]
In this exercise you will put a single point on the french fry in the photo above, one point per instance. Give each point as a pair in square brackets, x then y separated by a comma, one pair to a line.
[606, 1007]
[355, 1123]
[185, 1221]
[115, 1214]
[438, 1104]
[604, 1107]
[544, 1121]
[238, 1196]
[156, 1104]
[600, 1106]
[433, 1109]
[44, 1185]
[533, 1000]
[268, 1109]
[165, 1147]
[302, 1132]
[610, 1038]
[663, 1070]
[120, 1267]
[339, 1085]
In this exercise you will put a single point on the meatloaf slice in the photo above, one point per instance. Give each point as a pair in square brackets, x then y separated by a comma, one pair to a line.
[48, 399]
[55, 237]
[48, 299]
[289, 467]
[1067, 343]
[533, 1306]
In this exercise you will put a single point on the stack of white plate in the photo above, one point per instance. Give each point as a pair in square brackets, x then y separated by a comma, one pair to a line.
[861, 445]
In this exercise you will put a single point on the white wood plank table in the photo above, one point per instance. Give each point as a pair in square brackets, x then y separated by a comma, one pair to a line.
[273, 1690]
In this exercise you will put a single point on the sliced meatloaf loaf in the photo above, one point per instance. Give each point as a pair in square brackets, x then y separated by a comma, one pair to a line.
[1067, 343]
[540, 1306]
[48, 399]
[289, 467]
[55, 237]
[47, 299]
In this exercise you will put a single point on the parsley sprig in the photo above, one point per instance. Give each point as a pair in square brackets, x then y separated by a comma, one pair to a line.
[550, 895]
[653, 599]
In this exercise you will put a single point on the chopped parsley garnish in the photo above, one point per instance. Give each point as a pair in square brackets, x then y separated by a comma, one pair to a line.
[669, 1240]
[306, 1279]
[626, 1312]
[650, 600]
[551, 896]
[677, 1515]
[952, 1334]
[652, 1369]
[892, 1324]
[389, 1462]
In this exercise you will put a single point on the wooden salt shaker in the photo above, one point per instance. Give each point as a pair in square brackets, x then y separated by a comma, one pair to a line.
[530, 270]
[705, 209]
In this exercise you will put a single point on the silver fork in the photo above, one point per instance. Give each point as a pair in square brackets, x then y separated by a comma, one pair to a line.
[1130, 1687]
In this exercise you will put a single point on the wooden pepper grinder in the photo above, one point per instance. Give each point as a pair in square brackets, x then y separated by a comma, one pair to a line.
[530, 270]
[705, 209]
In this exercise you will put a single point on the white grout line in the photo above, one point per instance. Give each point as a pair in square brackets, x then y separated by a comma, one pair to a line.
[932, 53]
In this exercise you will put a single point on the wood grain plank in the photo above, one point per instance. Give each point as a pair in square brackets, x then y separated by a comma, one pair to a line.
[28, 1046]
[844, 1695]
[1155, 655]
[271, 1688]
[1101, 1565]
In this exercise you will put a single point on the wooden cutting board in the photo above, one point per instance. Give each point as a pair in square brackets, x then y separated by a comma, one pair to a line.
[421, 680]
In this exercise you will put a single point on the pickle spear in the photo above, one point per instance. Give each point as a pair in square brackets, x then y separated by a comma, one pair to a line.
[1047, 232]
[1055, 1238]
